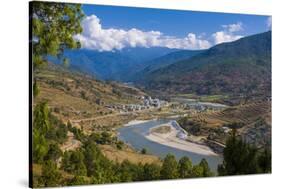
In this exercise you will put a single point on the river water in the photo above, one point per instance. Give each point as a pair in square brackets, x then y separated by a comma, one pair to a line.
[135, 136]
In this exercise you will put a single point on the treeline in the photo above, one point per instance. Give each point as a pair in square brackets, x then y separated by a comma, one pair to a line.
[89, 166]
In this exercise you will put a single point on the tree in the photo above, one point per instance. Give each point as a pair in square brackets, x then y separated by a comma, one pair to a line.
[40, 127]
[54, 152]
[151, 171]
[169, 168]
[92, 156]
[197, 171]
[50, 174]
[185, 167]
[105, 137]
[41, 118]
[53, 28]
[73, 162]
[57, 131]
[61, 133]
[206, 169]
[129, 171]
[239, 157]
[39, 146]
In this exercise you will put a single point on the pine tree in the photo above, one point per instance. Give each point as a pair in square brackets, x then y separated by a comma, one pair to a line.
[53, 28]
[169, 168]
[185, 167]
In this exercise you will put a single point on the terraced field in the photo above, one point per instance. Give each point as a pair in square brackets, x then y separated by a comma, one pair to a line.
[73, 96]
[246, 114]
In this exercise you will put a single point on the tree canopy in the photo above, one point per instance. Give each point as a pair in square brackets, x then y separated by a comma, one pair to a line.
[53, 28]
[169, 168]
[243, 158]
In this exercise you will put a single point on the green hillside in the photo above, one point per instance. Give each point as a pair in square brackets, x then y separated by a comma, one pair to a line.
[165, 61]
[242, 67]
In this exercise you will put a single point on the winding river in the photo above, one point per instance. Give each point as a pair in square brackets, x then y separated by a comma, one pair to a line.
[135, 136]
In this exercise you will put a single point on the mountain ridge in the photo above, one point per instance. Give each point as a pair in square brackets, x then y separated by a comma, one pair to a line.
[235, 67]
[112, 65]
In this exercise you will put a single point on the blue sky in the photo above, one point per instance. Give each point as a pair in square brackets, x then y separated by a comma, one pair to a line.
[179, 29]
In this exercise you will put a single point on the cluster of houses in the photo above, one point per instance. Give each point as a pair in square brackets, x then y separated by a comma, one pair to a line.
[150, 102]
[147, 103]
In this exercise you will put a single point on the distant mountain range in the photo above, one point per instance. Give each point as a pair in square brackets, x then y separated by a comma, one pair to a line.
[239, 67]
[119, 65]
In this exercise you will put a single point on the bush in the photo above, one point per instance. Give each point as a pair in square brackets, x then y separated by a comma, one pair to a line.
[119, 144]
[144, 151]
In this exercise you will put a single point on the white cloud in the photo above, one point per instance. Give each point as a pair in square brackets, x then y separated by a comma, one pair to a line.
[269, 22]
[228, 34]
[94, 36]
[223, 37]
[233, 27]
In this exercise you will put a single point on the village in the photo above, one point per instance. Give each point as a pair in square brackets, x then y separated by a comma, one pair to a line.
[146, 103]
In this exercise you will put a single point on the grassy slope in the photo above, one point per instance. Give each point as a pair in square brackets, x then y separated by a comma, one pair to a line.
[127, 154]
[75, 96]
[62, 89]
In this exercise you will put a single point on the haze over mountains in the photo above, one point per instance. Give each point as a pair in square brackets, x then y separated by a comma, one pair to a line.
[118, 65]
[239, 67]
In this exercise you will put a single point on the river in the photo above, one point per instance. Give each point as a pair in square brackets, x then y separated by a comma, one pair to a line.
[135, 136]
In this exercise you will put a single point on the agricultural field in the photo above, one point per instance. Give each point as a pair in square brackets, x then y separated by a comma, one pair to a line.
[251, 120]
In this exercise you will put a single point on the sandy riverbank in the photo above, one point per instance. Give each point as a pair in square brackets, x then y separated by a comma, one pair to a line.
[171, 139]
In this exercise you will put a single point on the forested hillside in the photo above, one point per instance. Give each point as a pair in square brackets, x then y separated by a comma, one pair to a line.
[240, 67]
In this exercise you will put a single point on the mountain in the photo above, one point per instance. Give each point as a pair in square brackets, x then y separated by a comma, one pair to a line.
[164, 61]
[117, 65]
[240, 67]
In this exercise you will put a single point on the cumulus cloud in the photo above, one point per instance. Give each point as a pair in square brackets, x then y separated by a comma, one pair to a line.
[222, 37]
[95, 37]
[228, 34]
[233, 27]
